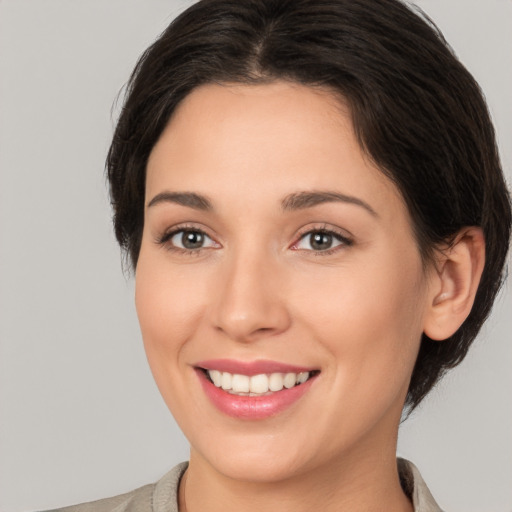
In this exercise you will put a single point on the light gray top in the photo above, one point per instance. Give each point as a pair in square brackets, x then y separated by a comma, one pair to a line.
[162, 496]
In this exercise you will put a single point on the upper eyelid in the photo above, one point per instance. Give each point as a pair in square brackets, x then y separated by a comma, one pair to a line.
[336, 234]
[343, 240]
[173, 233]
[325, 228]
[169, 232]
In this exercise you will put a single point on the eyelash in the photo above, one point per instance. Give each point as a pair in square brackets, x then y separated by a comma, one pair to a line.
[164, 240]
[324, 230]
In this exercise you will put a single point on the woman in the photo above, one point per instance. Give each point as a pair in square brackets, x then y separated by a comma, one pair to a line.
[311, 198]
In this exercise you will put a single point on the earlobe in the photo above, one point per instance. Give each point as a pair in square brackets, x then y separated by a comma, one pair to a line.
[455, 283]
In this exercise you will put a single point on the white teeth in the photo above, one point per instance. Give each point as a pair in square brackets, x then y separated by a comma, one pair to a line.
[240, 383]
[302, 377]
[226, 380]
[289, 380]
[216, 377]
[275, 382]
[256, 384]
[259, 384]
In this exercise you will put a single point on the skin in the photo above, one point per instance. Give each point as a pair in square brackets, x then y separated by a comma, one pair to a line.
[259, 290]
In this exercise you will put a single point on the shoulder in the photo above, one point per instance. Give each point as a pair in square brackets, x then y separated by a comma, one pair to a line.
[158, 497]
[414, 486]
[138, 500]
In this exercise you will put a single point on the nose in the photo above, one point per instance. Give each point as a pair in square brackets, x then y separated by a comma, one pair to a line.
[250, 301]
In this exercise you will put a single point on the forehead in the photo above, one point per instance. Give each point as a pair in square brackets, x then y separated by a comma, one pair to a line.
[263, 140]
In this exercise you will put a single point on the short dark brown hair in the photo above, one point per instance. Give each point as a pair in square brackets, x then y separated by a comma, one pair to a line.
[417, 111]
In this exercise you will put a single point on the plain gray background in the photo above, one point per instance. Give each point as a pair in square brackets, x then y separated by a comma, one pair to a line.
[80, 416]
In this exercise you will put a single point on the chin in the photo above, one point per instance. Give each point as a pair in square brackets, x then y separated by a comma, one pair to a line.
[256, 466]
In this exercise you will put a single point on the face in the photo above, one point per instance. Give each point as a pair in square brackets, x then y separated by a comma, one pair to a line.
[279, 288]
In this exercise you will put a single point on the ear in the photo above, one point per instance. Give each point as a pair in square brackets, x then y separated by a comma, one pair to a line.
[454, 283]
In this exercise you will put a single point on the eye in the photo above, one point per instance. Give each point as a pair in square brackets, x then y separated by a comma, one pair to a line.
[188, 239]
[321, 240]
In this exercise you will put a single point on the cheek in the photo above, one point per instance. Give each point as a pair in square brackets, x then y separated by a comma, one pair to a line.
[169, 307]
[370, 321]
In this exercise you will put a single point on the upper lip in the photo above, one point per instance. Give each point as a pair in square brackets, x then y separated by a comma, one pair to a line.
[251, 367]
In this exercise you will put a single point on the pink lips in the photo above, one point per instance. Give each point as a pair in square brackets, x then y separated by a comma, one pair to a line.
[251, 407]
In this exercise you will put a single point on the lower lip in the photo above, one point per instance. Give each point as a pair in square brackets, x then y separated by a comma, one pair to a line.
[252, 407]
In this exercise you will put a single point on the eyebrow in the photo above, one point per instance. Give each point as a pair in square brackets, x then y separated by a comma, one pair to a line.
[190, 199]
[308, 199]
[292, 202]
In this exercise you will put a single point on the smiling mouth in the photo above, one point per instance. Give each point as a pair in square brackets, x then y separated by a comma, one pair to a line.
[257, 385]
